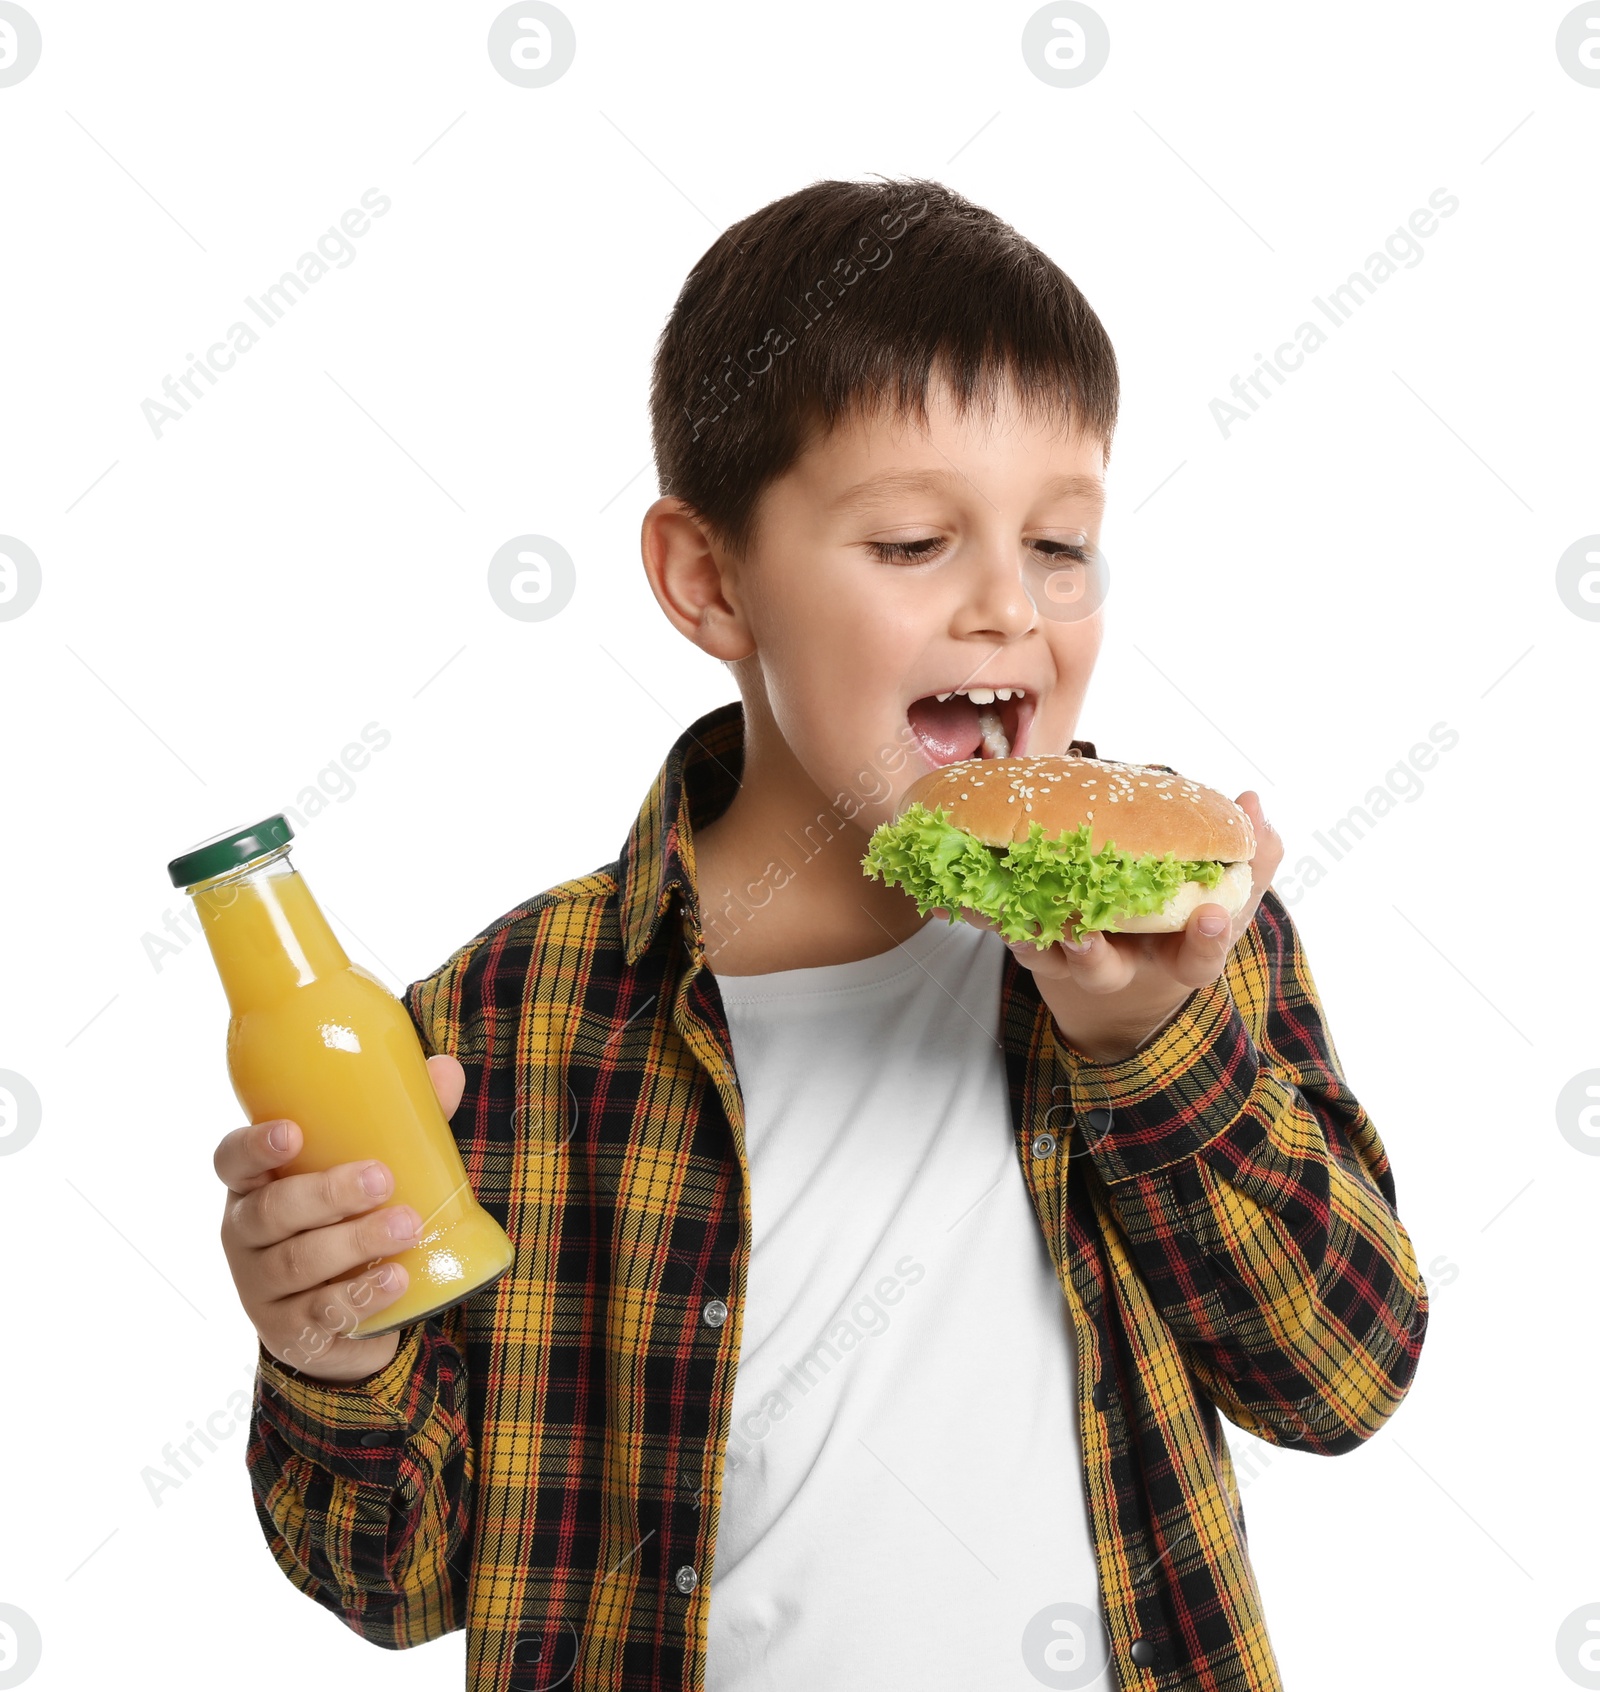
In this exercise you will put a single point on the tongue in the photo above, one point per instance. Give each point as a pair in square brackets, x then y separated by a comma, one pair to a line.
[948, 729]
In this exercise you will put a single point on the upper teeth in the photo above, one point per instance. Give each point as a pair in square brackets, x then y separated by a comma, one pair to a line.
[984, 695]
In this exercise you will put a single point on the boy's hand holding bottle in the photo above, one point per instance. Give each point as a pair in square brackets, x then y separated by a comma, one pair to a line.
[322, 1053]
[303, 1249]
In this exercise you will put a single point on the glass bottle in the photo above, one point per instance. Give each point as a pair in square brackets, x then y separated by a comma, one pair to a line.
[320, 1040]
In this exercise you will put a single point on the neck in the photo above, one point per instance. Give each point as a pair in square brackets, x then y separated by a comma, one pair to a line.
[779, 873]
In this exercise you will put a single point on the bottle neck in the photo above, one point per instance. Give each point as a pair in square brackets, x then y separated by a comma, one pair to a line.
[266, 933]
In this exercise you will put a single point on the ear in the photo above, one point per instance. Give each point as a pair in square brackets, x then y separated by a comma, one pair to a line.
[693, 581]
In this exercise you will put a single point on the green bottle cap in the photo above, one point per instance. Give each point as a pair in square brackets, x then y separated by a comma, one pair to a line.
[233, 850]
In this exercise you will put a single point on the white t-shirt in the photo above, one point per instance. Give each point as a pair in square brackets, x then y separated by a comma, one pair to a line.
[903, 1500]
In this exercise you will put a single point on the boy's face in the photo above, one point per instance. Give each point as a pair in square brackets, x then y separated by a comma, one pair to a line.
[853, 643]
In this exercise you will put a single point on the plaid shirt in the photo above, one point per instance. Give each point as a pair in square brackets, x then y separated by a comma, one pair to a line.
[542, 1464]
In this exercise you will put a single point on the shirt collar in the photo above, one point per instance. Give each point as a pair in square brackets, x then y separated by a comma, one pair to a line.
[694, 786]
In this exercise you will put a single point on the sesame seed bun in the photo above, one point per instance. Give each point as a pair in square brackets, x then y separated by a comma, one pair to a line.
[1135, 808]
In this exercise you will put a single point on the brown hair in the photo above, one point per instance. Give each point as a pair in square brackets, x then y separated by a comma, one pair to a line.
[785, 325]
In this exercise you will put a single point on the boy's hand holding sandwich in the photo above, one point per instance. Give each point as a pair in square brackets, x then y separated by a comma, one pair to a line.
[1108, 987]
[1115, 923]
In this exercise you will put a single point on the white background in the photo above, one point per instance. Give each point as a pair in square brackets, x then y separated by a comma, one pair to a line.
[224, 607]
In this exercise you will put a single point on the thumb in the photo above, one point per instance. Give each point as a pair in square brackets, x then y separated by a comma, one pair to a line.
[1201, 956]
[449, 1081]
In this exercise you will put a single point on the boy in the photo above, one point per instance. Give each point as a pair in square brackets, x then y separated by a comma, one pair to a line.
[876, 1285]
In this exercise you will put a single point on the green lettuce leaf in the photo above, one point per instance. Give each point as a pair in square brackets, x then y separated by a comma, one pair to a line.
[1054, 885]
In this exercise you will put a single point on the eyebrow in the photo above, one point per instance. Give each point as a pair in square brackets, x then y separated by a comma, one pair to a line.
[895, 482]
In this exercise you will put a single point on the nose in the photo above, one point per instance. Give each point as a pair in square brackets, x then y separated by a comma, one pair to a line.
[997, 602]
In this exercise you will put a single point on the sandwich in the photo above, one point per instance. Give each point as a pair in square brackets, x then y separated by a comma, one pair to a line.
[1050, 846]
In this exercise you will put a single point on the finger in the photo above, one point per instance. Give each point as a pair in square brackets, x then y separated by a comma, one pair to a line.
[1025, 950]
[293, 1203]
[449, 1081]
[1269, 843]
[245, 1159]
[1098, 967]
[311, 1332]
[1201, 956]
[345, 1249]
[1269, 855]
[964, 914]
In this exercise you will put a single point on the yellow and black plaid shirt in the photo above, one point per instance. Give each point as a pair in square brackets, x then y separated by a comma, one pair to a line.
[542, 1465]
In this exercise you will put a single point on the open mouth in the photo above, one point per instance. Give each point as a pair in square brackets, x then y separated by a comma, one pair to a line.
[972, 722]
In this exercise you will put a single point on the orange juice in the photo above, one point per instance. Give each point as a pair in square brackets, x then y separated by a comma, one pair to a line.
[320, 1040]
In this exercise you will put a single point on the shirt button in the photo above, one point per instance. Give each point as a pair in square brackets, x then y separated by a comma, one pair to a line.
[1098, 1119]
[374, 1438]
[1043, 1144]
[715, 1313]
[686, 1580]
[1099, 1395]
[1143, 1653]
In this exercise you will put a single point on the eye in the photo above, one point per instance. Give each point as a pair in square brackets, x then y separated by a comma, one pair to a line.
[1073, 554]
[904, 552]
[921, 551]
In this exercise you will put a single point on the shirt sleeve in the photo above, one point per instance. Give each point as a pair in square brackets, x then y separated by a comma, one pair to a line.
[1257, 1200]
[363, 1490]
